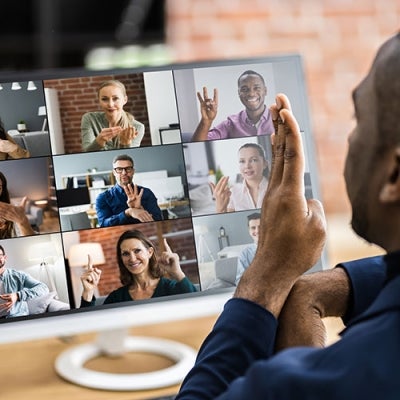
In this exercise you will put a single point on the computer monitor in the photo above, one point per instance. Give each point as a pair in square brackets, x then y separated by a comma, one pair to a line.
[164, 101]
[70, 197]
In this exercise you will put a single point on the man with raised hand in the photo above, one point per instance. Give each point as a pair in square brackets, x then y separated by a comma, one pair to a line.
[237, 359]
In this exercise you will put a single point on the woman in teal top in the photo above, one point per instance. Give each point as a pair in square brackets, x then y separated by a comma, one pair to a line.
[141, 272]
[113, 127]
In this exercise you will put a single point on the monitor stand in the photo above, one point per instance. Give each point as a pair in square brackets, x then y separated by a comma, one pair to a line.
[70, 364]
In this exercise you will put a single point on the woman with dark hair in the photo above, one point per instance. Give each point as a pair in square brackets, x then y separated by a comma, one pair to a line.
[142, 273]
[248, 194]
[13, 220]
[8, 148]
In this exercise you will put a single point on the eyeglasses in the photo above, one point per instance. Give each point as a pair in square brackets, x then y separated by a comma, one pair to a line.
[127, 170]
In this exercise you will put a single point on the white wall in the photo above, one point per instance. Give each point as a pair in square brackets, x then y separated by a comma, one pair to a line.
[161, 103]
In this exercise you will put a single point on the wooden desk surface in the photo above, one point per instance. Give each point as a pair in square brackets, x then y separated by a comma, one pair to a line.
[27, 368]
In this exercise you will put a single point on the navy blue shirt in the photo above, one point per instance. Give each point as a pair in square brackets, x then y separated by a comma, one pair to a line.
[236, 361]
[111, 206]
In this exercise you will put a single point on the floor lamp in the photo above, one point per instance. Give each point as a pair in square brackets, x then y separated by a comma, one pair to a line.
[203, 248]
[43, 252]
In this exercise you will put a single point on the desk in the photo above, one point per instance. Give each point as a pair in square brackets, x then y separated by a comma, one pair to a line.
[29, 371]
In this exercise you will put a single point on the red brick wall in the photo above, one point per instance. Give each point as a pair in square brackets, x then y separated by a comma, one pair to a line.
[108, 238]
[79, 95]
[337, 39]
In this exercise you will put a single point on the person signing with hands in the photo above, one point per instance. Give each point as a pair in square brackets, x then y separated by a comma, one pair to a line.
[113, 127]
[134, 202]
[237, 360]
[8, 148]
[254, 120]
[169, 262]
[13, 219]
[90, 280]
[249, 194]
[143, 275]
[126, 202]
[16, 288]
[291, 238]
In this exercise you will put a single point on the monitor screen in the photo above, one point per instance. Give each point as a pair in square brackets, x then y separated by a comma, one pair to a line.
[124, 227]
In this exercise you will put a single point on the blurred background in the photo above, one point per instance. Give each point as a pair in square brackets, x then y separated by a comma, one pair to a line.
[336, 38]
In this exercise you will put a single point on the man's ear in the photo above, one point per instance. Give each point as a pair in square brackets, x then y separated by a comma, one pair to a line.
[390, 192]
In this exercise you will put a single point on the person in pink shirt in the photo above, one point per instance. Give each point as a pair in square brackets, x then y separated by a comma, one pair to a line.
[254, 120]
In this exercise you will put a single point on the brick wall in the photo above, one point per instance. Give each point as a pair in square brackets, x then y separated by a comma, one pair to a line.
[337, 39]
[108, 238]
[79, 95]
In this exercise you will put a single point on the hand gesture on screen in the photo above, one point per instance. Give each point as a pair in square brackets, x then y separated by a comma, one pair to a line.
[9, 300]
[170, 261]
[7, 147]
[139, 213]
[134, 195]
[16, 214]
[90, 280]
[222, 194]
[293, 229]
[208, 106]
[107, 134]
[127, 135]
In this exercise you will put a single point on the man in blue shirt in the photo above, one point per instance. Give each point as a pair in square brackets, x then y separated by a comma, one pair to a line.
[126, 202]
[238, 360]
[16, 287]
[247, 254]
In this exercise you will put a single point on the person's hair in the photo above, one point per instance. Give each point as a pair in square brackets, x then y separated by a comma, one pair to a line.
[261, 152]
[123, 157]
[7, 232]
[3, 134]
[126, 117]
[125, 276]
[387, 89]
[250, 72]
[2, 249]
[252, 216]
[5, 196]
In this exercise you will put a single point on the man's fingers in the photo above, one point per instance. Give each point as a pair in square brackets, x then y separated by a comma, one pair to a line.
[293, 154]
[215, 96]
[200, 98]
[315, 209]
[283, 102]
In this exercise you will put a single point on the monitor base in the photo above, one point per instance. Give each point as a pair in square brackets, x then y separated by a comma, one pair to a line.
[70, 364]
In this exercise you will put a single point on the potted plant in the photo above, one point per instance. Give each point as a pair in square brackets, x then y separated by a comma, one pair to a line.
[21, 126]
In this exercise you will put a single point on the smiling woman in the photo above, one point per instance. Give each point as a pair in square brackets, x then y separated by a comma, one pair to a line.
[113, 127]
[142, 273]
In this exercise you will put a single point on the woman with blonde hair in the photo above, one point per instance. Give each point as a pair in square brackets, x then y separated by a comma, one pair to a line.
[248, 194]
[113, 127]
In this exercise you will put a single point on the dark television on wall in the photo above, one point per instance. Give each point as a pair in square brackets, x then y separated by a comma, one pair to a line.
[73, 196]
[177, 170]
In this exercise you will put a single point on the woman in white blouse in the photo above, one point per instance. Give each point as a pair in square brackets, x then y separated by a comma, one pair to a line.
[248, 194]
